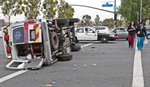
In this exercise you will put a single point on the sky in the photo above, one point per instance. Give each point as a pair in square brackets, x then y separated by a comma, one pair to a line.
[80, 11]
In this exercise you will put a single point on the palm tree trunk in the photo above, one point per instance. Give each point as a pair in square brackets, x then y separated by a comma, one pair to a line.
[9, 20]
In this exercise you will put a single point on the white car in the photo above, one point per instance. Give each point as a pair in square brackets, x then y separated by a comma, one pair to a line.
[0, 32]
[101, 29]
[85, 33]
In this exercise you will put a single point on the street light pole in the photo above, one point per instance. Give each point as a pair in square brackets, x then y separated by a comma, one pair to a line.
[115, 14]
[140, 10]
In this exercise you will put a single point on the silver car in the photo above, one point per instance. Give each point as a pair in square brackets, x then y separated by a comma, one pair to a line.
[121, 33]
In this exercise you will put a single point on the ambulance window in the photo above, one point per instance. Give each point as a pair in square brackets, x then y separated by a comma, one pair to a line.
[19, 36]
[32, 35]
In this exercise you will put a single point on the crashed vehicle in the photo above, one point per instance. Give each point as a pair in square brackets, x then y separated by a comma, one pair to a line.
[32, 43]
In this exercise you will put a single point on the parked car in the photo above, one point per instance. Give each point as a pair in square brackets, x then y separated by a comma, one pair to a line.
[0, 32]
[120, 33]
[148, 32]
[101, 29]
[85, 33]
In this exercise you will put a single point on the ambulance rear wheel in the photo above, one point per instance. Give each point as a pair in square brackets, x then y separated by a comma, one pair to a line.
[54, 40]
[64, 57]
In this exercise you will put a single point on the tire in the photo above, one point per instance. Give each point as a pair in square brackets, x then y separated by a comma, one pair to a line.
[127, 38]
[72, 21]
[64, 57]
[104, 40]
[60, 21]
[54, 40]
[75, 47]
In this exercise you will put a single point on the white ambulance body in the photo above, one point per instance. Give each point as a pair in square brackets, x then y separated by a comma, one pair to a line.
[32, 43]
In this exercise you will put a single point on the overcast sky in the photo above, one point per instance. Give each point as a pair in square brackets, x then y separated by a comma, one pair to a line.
[80, 11]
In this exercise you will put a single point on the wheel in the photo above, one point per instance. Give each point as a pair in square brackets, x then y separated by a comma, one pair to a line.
[64, 57]
[127, 38]
[54, 40]
[61, 21]
[104, 39]
[72, 21]
[75, 47]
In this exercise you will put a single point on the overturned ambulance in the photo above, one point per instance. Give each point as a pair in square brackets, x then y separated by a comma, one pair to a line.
[32, 43]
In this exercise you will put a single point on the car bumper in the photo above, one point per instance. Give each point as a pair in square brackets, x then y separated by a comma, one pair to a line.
[112, 38]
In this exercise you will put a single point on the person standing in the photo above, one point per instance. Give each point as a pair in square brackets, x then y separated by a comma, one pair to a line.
[141, 35]
[131, 34]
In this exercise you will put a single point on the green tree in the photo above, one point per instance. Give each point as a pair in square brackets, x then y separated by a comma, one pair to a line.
[10, 8]
[119, 23]
[1, 2]
[51, 8]
[86, 20]
[110, 23]
[130, 10]
[31, 8]
[97, 20]
[64, 12]
[146, 10]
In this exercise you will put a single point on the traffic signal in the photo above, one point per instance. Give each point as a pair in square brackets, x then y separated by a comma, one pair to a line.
[44, 5]
[115, 23]
[67, 5]
[115, 16]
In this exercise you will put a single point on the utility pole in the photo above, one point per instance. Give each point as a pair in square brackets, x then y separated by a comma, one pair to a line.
[140, 10]
[115, 14]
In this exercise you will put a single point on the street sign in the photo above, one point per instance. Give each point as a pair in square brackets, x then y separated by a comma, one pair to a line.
[107, 5]
[115, 8]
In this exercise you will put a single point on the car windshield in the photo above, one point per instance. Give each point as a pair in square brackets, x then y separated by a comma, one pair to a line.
[112, 30]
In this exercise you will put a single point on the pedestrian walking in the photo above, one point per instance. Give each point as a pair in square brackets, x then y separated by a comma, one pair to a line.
[131, 34]
[141, 35]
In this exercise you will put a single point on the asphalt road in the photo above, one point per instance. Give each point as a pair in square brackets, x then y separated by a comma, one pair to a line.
[96, 65]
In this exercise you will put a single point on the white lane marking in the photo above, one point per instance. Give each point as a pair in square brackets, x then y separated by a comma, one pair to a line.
[138, 79]
[89, 44]
[86, 45]
[5, 78]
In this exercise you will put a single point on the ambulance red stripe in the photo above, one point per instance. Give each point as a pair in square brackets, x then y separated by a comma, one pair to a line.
[25, 32]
